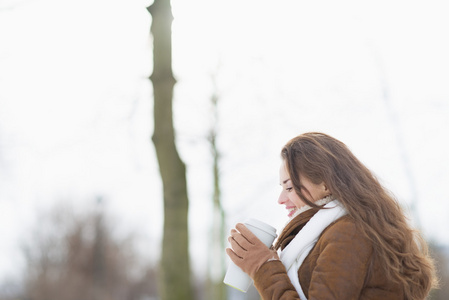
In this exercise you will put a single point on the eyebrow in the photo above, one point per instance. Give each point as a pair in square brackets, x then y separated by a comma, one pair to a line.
[285, 181]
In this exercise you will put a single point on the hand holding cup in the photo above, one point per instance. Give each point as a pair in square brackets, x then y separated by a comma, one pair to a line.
[248, 252]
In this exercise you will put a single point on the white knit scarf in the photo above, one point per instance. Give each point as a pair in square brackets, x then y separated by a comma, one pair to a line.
[297, 250]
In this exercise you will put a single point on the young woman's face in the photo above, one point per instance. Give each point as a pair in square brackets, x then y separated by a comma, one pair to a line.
[290, 198]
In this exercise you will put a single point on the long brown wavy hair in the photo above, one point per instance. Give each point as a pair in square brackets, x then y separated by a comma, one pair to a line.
[402, 251]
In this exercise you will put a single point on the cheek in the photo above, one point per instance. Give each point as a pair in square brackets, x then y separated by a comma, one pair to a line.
[298, 201]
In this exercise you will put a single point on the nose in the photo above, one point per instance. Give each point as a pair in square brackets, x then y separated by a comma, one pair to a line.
[282, 198]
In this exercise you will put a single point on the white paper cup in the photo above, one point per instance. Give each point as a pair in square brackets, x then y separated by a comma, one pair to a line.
[235, 277]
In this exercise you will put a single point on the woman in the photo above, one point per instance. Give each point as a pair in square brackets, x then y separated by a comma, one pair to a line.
[347, 237]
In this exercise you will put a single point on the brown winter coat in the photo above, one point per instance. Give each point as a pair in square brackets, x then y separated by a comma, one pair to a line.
[341, 266]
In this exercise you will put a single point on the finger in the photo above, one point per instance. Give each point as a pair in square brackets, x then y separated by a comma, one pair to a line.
[249, 236]
[240, 239]
[233, 232]
[237, 243]
[233, 256]
[232, 235]
[243, 240]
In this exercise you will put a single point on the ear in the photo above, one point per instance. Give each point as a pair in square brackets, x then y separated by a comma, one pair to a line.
[326, 189]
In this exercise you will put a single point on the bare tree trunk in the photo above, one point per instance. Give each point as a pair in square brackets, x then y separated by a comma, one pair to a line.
[174, 280]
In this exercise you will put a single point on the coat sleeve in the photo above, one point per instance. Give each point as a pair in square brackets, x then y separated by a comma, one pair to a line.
[342, 264]
[272, 282]
[339, 273]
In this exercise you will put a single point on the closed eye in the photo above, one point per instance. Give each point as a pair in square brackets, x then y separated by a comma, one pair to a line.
[289, 189]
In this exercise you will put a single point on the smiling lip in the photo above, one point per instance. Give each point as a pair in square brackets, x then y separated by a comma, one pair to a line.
[291, 210]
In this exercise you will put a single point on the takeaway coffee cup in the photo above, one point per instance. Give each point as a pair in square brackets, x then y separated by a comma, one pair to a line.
[235, 277]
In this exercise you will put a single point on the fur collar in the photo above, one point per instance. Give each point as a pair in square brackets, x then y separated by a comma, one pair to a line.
[298, 221]
[320, 202]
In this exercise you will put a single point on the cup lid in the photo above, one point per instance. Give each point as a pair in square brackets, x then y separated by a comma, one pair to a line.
[261, 225]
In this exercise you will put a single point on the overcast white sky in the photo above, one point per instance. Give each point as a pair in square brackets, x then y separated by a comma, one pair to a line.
[76, 105]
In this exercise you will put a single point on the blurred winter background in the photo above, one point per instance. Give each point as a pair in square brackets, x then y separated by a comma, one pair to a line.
[76, 111]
